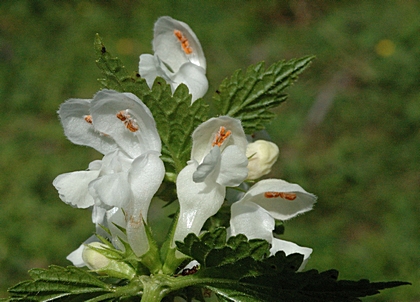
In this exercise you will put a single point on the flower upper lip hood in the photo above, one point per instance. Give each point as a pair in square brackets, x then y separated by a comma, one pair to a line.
[283, 200]
[178, 58]
[112, 114]
[76, 120]
[98, 123]
[168, 44]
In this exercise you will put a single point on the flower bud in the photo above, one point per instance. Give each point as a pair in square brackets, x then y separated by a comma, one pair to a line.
[100, 263]
[261, 157]
[93, 259]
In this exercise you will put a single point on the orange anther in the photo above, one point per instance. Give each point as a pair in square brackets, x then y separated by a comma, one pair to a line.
[88, 119]
[221, 136]
[129, 122]
[122, 116]
[131, 125]
[288, 196]
[184, 42]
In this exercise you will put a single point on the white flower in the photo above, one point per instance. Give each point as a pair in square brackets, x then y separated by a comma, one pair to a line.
[254, 215]
[178, 58]
[120, 126]
[217, 160]
[261, 157]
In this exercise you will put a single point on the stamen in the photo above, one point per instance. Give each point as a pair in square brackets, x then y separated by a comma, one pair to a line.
[122, 116]
[131, 125]
[287, 196]
[88, 119]
[184, 42]
[221, 136]
[129, 122]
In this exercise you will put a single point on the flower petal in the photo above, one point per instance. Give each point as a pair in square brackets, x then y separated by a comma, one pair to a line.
[98, 214]
[210, 165]
[198, 201]
[251, 220]
[233, 167]
[175, 43]
[194, 77]
[150, 67]
[112, 190]
[127, 120]
[255, 223]
[145, 177]
[73, 188]
[265, 193]
[291, 248]
[75, 257]
[79, 129]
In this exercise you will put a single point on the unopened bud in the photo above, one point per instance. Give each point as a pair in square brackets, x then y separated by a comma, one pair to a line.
[93, 259]
[97, 261]
[261, 157]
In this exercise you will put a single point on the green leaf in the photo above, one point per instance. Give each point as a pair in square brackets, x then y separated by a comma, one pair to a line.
[211, 249]
[59, 282]
[72, 284]
[175, 116]
[241, 270]
[250, 96]
[70, 275]
[116, 76]
[176, 119]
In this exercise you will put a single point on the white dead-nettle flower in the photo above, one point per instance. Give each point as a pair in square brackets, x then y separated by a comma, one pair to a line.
[122, 128]
[255, 213]
[218, 160]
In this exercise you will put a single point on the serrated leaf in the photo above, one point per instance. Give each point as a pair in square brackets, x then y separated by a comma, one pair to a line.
[242, 271]
[69, 275]
[57, 283]
[116, 76]
[70, 284]
[176, 119]
[211, 248]
[249, 96]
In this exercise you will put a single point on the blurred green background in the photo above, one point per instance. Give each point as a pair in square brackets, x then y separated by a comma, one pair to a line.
[349, 132]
